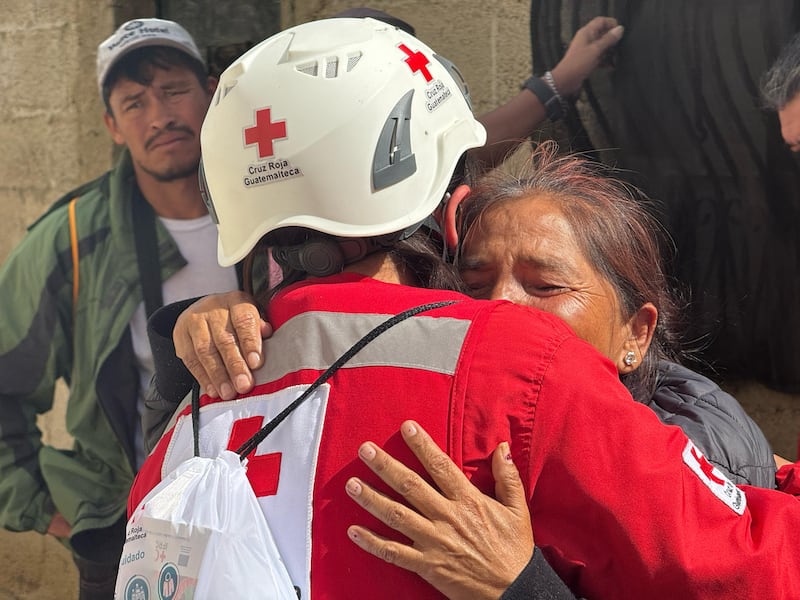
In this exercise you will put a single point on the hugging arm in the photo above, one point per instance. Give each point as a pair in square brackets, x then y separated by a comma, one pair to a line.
[463, 542]
[203, 339]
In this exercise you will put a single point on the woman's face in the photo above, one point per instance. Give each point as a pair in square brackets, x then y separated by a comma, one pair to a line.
[525, 251]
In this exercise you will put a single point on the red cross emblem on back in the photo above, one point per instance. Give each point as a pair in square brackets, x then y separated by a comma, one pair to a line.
[417, 61]
[264, 132]
[263, 470]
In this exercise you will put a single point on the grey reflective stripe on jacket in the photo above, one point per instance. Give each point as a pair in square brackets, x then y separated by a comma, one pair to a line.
[716, 422]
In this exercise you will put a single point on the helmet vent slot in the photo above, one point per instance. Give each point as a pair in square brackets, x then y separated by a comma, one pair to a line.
[227, 81]
[311, 68]
[352, 61]
[331, 67]
[227, 89]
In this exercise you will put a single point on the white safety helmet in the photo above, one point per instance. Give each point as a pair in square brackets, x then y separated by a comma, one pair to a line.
[349, 127]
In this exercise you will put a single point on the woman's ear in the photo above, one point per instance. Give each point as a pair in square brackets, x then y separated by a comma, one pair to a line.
[641, 328]
[448, 221]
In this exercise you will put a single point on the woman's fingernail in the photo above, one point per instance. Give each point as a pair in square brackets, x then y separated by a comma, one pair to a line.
[252, 360]
[242, 382]
[506, 452]
[409, 429]
[226, 391]
[353, 487]
[367, 451]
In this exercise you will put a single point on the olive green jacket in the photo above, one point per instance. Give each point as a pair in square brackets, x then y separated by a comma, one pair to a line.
[43, 337]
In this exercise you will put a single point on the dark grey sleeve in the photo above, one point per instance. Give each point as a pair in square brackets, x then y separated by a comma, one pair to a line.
[171, 381]
[716, 422]
[538, 581]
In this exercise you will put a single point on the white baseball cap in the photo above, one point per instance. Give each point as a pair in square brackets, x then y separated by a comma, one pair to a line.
[139, 33]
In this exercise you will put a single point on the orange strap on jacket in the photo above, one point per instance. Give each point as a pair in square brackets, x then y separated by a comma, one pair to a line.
[73, 239]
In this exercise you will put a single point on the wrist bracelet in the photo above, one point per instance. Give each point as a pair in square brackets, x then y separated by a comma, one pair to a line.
[548, 79]
[550, 99]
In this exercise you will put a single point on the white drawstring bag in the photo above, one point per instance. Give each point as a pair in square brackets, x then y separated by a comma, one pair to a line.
[200, 534]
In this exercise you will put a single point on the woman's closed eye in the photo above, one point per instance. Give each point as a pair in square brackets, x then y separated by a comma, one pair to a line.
[545, 289]
[479, 287]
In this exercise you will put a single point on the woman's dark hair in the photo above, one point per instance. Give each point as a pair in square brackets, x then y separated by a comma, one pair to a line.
[419, 255]
[139, 66]
[619, 237]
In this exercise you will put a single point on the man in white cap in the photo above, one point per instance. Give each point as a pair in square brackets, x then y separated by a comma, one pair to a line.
[79, 287]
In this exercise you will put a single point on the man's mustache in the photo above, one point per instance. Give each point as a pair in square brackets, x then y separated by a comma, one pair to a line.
[169, 129]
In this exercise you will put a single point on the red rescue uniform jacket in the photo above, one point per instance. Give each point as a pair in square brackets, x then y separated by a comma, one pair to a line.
[622, 505]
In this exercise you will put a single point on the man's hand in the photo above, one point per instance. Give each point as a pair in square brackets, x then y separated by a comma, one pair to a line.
[219, 339]
[466, 544]
[588, 48]
[59, 527]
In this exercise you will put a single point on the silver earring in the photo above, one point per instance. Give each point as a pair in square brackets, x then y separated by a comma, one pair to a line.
[630, 358]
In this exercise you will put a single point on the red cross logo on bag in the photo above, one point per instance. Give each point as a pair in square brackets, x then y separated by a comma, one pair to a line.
[417, 61]
[263, 470]
[264, 132]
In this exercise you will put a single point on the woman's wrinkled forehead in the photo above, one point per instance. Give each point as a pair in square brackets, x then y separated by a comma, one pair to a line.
[513, 210]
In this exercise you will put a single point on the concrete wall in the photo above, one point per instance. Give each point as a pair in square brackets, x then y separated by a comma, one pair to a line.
[52, 138]
[51, 134]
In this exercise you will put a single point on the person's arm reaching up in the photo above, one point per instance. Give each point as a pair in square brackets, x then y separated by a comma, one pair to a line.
[511, 123]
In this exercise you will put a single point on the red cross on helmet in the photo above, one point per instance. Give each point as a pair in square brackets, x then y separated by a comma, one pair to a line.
[350, 127]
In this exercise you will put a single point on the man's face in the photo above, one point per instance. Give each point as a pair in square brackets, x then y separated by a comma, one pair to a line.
[789, 117]
[160, 122]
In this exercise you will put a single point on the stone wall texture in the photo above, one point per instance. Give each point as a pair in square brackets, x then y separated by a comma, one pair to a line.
[52, 138]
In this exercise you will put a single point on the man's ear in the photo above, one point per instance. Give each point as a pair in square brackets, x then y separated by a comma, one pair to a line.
[448, 219]
[211, 85]
[641, 329]
[111, 125]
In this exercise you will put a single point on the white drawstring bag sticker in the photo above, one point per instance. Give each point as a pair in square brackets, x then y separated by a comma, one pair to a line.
[200, 534]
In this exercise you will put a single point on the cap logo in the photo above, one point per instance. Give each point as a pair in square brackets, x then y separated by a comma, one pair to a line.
[417, 62]
[137, 30]
[264, 133]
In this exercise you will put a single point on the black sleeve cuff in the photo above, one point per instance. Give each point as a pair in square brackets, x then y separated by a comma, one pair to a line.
[171, 379]
[538, 581]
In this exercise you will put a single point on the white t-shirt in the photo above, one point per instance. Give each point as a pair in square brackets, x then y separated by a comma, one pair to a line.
[197, 241]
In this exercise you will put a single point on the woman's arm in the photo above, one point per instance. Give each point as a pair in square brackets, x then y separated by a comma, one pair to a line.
[219, 338]
[463, 542]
